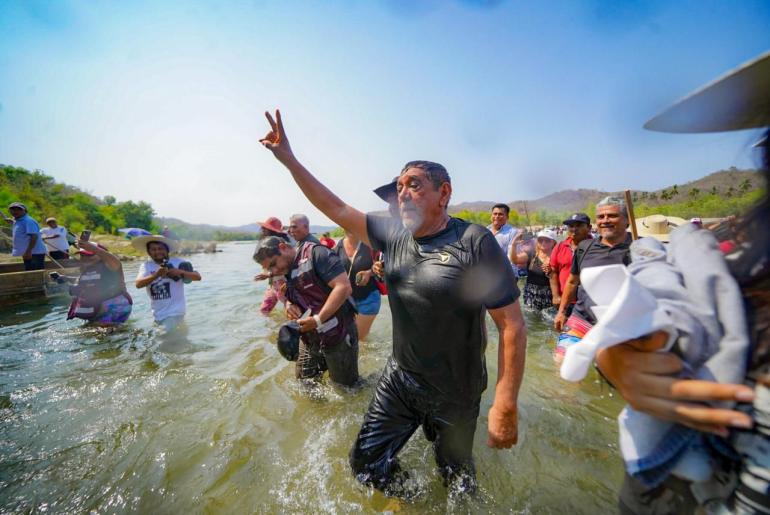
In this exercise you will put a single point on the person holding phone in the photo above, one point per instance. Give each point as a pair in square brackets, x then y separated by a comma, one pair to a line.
[26, 237]
[164, 277]
[99, 294]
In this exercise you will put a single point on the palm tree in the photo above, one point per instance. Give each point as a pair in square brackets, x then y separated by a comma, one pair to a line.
[714, 190]
[745, 185]
[694, 192]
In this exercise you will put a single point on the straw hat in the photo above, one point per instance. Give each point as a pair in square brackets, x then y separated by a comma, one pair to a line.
[738, 100]
[140, 242]
[658, 226]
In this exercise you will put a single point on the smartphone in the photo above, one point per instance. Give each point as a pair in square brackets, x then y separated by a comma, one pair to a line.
[85, 235]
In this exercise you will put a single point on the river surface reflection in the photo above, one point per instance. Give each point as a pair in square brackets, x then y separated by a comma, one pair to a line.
[213, 421]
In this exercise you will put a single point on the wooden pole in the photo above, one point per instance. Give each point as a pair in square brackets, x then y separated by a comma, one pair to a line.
[631, 217]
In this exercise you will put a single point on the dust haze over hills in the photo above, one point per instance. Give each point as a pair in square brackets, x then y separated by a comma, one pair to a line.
[578, 200]
[561, 201]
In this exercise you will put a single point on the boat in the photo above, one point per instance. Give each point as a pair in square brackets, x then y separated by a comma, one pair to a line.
[18, 285]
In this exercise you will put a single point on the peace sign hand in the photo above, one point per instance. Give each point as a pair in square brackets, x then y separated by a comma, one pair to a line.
[275, 140]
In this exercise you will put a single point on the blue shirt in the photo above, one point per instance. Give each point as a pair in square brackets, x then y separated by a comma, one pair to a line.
[504, 238]
[23, 229]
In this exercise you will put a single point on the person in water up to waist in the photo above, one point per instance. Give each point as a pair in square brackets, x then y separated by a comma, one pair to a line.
[317, 292]
[443, 274]
[164, 278]
[99, 295]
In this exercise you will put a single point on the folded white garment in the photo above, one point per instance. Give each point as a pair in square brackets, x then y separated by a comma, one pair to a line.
[624, 310]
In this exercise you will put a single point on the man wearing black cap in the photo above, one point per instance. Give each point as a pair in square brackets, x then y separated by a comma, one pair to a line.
[578, 229]
[443, 276]
[26, 237]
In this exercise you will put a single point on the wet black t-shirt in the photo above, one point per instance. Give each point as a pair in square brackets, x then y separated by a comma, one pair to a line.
[439, 288]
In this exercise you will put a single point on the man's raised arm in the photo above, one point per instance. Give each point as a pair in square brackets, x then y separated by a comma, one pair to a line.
[319, 195]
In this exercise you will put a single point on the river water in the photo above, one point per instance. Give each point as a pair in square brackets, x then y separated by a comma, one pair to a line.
[213, 421]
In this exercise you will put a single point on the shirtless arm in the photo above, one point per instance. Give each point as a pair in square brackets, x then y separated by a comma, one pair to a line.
[503, 415]
[319, 195]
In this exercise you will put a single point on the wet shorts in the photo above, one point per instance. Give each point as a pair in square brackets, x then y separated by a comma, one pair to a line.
[574, 330]
[113, 311]
[370, 305]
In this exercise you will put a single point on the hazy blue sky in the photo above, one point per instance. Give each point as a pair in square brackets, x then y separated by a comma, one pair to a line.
[163, 101]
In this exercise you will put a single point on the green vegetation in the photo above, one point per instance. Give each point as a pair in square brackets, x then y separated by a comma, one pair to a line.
[72, 207]
[77, 210]
[709, 204]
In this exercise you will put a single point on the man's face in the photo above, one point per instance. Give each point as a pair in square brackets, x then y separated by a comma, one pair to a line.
[157, 251]
[281, 262]
[51, 224]
[298, 230]
[16, 212]
[499, 217]
[611, 223]
[578, 231]
[419, 202]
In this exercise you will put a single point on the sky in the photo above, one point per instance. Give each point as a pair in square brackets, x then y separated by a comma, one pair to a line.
[163, 101]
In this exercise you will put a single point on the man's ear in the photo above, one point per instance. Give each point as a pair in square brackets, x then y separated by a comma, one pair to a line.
[446, 194]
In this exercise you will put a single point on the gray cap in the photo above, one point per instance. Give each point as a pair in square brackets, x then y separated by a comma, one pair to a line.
[19, 205]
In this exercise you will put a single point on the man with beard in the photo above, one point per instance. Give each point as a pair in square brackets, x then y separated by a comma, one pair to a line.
[611, 248]
[443, 274]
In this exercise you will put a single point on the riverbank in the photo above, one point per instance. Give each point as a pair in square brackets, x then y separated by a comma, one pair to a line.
[122, 248]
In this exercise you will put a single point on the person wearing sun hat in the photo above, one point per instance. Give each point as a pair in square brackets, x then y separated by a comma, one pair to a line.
[276, 284]
[537, 262]
[732, 418]
[164, 277]
[99, 294]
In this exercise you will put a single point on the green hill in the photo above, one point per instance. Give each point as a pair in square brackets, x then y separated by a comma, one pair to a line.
[73, 208]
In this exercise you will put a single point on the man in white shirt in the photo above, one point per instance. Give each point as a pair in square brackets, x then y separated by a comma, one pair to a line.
[503, 232]
[55, 239]
[164, 279]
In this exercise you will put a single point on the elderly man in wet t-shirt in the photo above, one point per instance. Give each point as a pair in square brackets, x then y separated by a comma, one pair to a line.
[443, 275]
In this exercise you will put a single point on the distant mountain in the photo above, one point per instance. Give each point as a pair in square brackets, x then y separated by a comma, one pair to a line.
[721, 182]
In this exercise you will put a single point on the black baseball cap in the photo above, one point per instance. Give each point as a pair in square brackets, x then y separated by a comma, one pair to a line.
[577, 218]
[387, 191]
[288, 340]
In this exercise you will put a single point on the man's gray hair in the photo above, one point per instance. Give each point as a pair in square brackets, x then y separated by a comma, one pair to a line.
[300, 218]
[435, 172]
[614, 201]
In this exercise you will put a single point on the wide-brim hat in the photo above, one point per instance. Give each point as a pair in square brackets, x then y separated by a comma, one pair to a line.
[738, 100]
[387, 191]
[272, 224]
[658, 226]
[140, 242]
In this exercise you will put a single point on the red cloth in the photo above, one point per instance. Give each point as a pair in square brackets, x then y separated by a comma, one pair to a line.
[327, 242]
[561, 261]
[727, 246]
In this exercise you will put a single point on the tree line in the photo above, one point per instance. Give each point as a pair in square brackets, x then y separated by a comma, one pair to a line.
[77, 210]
